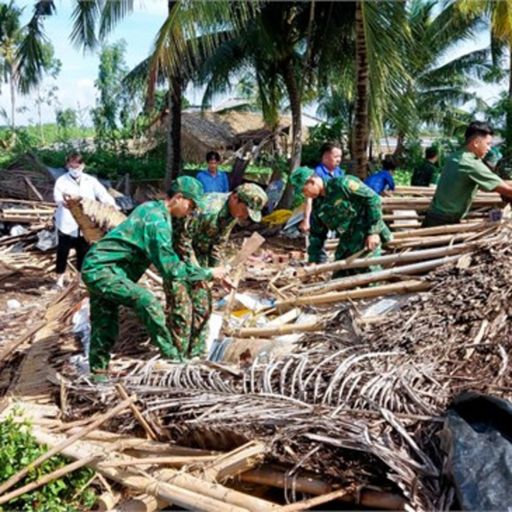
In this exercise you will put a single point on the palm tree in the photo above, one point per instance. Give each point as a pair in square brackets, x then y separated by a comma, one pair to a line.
[176, 46]
[499, 15]
[380, 32]
[437, 85]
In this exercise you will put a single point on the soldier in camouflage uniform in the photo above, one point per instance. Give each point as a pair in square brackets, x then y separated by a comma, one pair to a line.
[116, 262]
[347, 206]
[200, 240]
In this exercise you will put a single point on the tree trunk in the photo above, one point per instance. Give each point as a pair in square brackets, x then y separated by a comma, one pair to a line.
[294, 96]
[292, 89]
[508, 132]
[362, 94]
[13, 101]
[173, 160]
[173, 136]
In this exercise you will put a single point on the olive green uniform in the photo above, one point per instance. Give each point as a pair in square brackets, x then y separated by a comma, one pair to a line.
[351, 209]
[463, 174]
[113, 266]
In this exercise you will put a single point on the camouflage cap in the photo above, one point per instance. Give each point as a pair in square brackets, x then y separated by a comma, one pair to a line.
[254, 198]
[190, 188]
[493, 156]
[299, 177]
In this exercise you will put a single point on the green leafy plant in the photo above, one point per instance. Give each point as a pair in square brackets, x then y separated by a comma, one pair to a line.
[19, 448]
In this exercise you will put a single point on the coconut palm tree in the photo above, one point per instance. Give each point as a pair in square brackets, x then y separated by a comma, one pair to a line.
[498, 14]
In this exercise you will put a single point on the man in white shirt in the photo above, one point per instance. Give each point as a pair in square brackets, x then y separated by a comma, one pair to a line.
[75, 183]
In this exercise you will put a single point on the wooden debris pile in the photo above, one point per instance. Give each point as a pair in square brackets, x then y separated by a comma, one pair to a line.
[27, 178]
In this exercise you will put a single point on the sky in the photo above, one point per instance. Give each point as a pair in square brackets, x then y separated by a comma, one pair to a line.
[139, 29]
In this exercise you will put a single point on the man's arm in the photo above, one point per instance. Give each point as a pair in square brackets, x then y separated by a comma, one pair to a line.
[58, 194]
[505, 191]
[158, 241]
[101, 194]
[391, 182]
[305, 225]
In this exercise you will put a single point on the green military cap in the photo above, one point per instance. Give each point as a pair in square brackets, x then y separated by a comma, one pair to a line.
[190, 188]
[493, 156]
[254, 198]
[299, 177]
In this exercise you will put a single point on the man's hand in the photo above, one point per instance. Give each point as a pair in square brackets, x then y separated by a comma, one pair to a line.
[219, 273]
[304, 225]
[372, 242]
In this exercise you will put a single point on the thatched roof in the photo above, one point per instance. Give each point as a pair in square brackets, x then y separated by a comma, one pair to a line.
[219, 131]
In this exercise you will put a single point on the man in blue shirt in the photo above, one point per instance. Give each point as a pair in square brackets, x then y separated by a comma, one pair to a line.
[327, 169]
[382, 180]
[212, 179]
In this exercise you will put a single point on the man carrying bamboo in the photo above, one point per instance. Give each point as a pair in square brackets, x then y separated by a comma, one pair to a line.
[463, 174]
[347, 206]
[115, 263]
[201, 240]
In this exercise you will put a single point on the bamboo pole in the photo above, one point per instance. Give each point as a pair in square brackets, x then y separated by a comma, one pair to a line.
[443, 230]
[236, 461]
[65, 443]
[344, 283]
[263, 332]
[310, 484]
[170, 485]
[420, 255]
[107, 501]
[424, 241]
[365, 293]
[141, 503]
[176, 460]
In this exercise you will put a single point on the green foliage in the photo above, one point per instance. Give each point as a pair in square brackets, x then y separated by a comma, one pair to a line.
[107, 163]
[19, 448]
[114, 107]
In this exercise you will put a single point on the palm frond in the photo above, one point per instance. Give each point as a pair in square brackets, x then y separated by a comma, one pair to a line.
[85, 17]
[112, 12]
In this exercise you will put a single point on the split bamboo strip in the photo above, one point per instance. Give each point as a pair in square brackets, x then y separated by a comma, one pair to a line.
[144, 424]
[344, 283]
[365, 293]
[65, 443]
[317, 500]
[420, 255]
[169, 485]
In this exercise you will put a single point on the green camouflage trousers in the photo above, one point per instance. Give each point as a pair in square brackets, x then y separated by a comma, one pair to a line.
[189, 308]
[110, 288]
[349, 243]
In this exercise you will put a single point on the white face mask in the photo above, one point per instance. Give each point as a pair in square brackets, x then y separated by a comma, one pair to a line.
[77, 172]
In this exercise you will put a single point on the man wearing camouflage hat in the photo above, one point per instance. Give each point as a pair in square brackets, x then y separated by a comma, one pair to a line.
[115, 263]
[347, 206]
[201, 240]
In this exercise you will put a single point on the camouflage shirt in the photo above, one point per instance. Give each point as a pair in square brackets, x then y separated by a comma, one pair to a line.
[144, 238]
[348, 205]
[200, 239]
